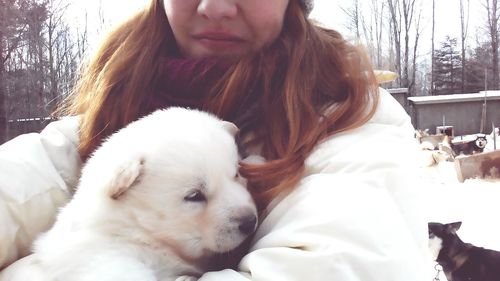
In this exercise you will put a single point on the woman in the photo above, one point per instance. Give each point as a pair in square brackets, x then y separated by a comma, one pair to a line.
[335, 193]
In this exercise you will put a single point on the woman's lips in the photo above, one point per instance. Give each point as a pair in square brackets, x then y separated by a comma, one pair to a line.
[219, 40]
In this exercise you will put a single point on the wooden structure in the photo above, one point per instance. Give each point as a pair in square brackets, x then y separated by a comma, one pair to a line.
[482, 165]
[465, 112]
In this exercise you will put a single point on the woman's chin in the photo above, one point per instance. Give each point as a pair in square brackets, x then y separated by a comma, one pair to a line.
[223, 54]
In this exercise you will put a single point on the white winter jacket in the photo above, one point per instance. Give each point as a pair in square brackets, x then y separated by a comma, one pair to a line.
[355, 215]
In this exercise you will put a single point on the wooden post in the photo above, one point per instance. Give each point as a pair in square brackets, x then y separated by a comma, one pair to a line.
[494, 136]
[483, 113]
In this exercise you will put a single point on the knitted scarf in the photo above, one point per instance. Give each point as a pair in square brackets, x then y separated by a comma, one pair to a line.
[186, 82]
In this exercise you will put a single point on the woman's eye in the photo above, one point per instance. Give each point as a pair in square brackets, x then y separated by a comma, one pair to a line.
[195, 196]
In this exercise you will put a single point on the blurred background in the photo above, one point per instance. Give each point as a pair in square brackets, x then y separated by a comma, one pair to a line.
[436, 47]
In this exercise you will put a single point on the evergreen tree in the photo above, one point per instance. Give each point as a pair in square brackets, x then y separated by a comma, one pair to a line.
[447, 68]
[478, 66]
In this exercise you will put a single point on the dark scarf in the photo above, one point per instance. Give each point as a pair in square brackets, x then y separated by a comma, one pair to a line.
[187, 83]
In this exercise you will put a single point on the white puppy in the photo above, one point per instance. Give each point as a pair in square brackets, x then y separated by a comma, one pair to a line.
[154, 202]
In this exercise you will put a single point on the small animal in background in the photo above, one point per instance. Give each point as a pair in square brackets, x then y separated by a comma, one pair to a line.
[422, 133]
[462, 261]
[469, 146]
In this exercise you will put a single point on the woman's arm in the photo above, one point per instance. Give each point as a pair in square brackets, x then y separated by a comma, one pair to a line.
[356, 215]
[38, 173]
[332, 228]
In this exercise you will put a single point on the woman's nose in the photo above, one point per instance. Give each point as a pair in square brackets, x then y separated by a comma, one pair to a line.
[218, 9]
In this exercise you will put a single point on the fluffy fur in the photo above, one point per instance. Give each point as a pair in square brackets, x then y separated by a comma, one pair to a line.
[462, 261]
[469, 147]
[155, 201]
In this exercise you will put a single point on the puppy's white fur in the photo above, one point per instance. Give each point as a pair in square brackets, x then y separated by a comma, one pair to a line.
[154, 201]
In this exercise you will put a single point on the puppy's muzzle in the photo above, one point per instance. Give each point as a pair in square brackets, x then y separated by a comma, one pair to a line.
[247, 224]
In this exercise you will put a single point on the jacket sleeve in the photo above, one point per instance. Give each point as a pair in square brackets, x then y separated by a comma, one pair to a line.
[356, 214]
[38, 172]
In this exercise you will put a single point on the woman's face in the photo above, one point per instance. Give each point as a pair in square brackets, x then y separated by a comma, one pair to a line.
[224, 28]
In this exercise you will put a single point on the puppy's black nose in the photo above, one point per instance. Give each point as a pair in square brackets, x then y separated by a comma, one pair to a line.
[247, 224]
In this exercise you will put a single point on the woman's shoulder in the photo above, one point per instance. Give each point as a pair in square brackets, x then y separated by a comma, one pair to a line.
[385, 145]
[389, 111]
[389, 129]
[64, 130]
[53, 153]
[66, 126]
[38, 172]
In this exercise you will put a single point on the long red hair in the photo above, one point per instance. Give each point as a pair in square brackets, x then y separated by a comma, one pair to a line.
[311, 84]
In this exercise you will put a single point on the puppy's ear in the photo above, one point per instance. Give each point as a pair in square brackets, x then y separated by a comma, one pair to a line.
[453, 227]
[124, 177]
[230, 127]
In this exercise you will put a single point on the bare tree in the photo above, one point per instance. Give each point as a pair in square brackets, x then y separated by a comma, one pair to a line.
[379, 10]
[3, 115]
[433, 60]
[12, 30]
[354, 18]
[464, 23]
[367, 24]
[38, 60]
[493, 14]
[408, 13]
[82, 40]
[395, 24]
[373, 30]
[26, 73]
[415, 50]
[103, 22]
[405, 26]
[59, 48]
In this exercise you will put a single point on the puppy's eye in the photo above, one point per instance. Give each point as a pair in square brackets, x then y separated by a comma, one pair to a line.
[195, 196]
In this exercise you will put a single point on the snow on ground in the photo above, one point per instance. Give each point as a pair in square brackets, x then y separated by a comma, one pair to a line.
[475, 202]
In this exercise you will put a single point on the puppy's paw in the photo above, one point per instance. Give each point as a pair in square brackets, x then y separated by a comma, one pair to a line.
[186, 278]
